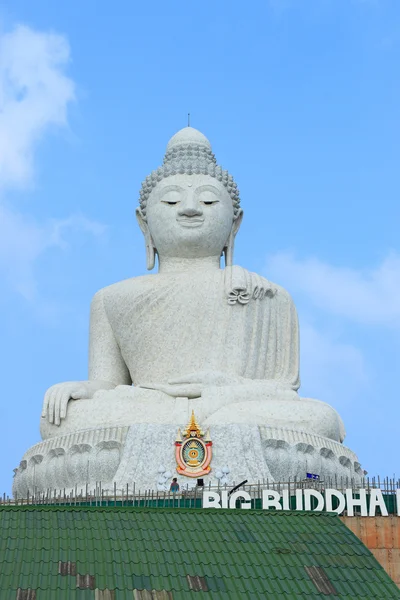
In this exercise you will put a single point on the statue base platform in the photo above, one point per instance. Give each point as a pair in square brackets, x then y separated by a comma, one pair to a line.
[143, 454]
[258, 432]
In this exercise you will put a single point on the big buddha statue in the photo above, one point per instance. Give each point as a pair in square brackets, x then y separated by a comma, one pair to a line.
[195, 339]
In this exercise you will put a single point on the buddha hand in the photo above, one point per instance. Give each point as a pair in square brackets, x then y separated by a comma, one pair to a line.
[57, 397]
[193, 384]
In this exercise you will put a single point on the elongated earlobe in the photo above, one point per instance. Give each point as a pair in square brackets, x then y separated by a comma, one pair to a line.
[150, 249]
[230, 244]
[150, 256]
[228, 250]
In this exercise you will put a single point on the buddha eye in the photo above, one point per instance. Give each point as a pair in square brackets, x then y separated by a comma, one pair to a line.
[171, 197]
[208, 197]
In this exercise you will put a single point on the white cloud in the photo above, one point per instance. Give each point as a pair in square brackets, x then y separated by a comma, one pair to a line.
[367, 296]
[334, 366]
[35, 94]
[23, 240]
[331, 369]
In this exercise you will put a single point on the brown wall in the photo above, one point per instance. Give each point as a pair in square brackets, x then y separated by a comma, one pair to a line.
[382, 536]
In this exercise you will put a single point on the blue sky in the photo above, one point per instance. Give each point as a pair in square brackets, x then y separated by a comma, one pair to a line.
[301, 102]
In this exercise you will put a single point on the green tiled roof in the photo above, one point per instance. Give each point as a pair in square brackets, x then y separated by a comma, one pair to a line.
[112, 553]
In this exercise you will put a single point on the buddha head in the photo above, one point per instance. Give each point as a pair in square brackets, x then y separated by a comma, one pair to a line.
[189, 207]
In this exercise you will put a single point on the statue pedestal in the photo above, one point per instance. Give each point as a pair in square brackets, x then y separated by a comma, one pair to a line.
[133, 455]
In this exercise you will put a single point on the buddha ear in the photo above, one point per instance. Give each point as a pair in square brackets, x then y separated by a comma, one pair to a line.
[150, 249]
[228, 249]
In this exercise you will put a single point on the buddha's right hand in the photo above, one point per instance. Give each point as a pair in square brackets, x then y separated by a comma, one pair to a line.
[57, 397]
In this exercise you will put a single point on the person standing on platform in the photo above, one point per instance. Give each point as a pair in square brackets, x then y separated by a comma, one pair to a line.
[174, 486]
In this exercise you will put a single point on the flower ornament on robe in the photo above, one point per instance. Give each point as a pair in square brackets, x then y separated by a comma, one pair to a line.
[239, 295]
[241, 287]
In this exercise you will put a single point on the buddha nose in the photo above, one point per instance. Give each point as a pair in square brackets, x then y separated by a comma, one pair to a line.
[190, 207]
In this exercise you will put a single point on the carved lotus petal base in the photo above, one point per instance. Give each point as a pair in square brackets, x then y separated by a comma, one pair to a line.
[133, 455]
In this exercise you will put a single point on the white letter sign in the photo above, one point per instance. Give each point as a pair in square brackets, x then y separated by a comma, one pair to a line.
[211, 500]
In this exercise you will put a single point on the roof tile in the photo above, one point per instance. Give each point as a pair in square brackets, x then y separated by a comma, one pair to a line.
[111, 551]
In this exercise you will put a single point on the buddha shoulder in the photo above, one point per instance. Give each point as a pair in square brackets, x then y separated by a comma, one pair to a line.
[257, 286]
[115, 294]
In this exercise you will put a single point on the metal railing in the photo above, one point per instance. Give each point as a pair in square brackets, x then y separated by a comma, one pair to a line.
[130, 495]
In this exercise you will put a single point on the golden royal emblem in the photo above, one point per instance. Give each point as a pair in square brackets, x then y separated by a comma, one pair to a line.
[193, 454]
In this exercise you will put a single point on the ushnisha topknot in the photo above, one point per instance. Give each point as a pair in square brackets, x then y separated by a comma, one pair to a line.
[189, 153]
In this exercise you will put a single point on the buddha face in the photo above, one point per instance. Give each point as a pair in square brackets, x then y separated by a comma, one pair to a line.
[190, 216]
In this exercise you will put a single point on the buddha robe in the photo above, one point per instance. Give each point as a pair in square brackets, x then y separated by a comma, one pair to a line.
[162, 326]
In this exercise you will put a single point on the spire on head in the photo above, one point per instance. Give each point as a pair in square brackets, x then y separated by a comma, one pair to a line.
[189, 152]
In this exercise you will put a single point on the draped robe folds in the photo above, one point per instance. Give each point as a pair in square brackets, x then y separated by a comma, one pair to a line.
[159, 327]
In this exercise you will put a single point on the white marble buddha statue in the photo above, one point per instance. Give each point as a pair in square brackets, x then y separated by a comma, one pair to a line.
[223, 342]
[226, 338]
